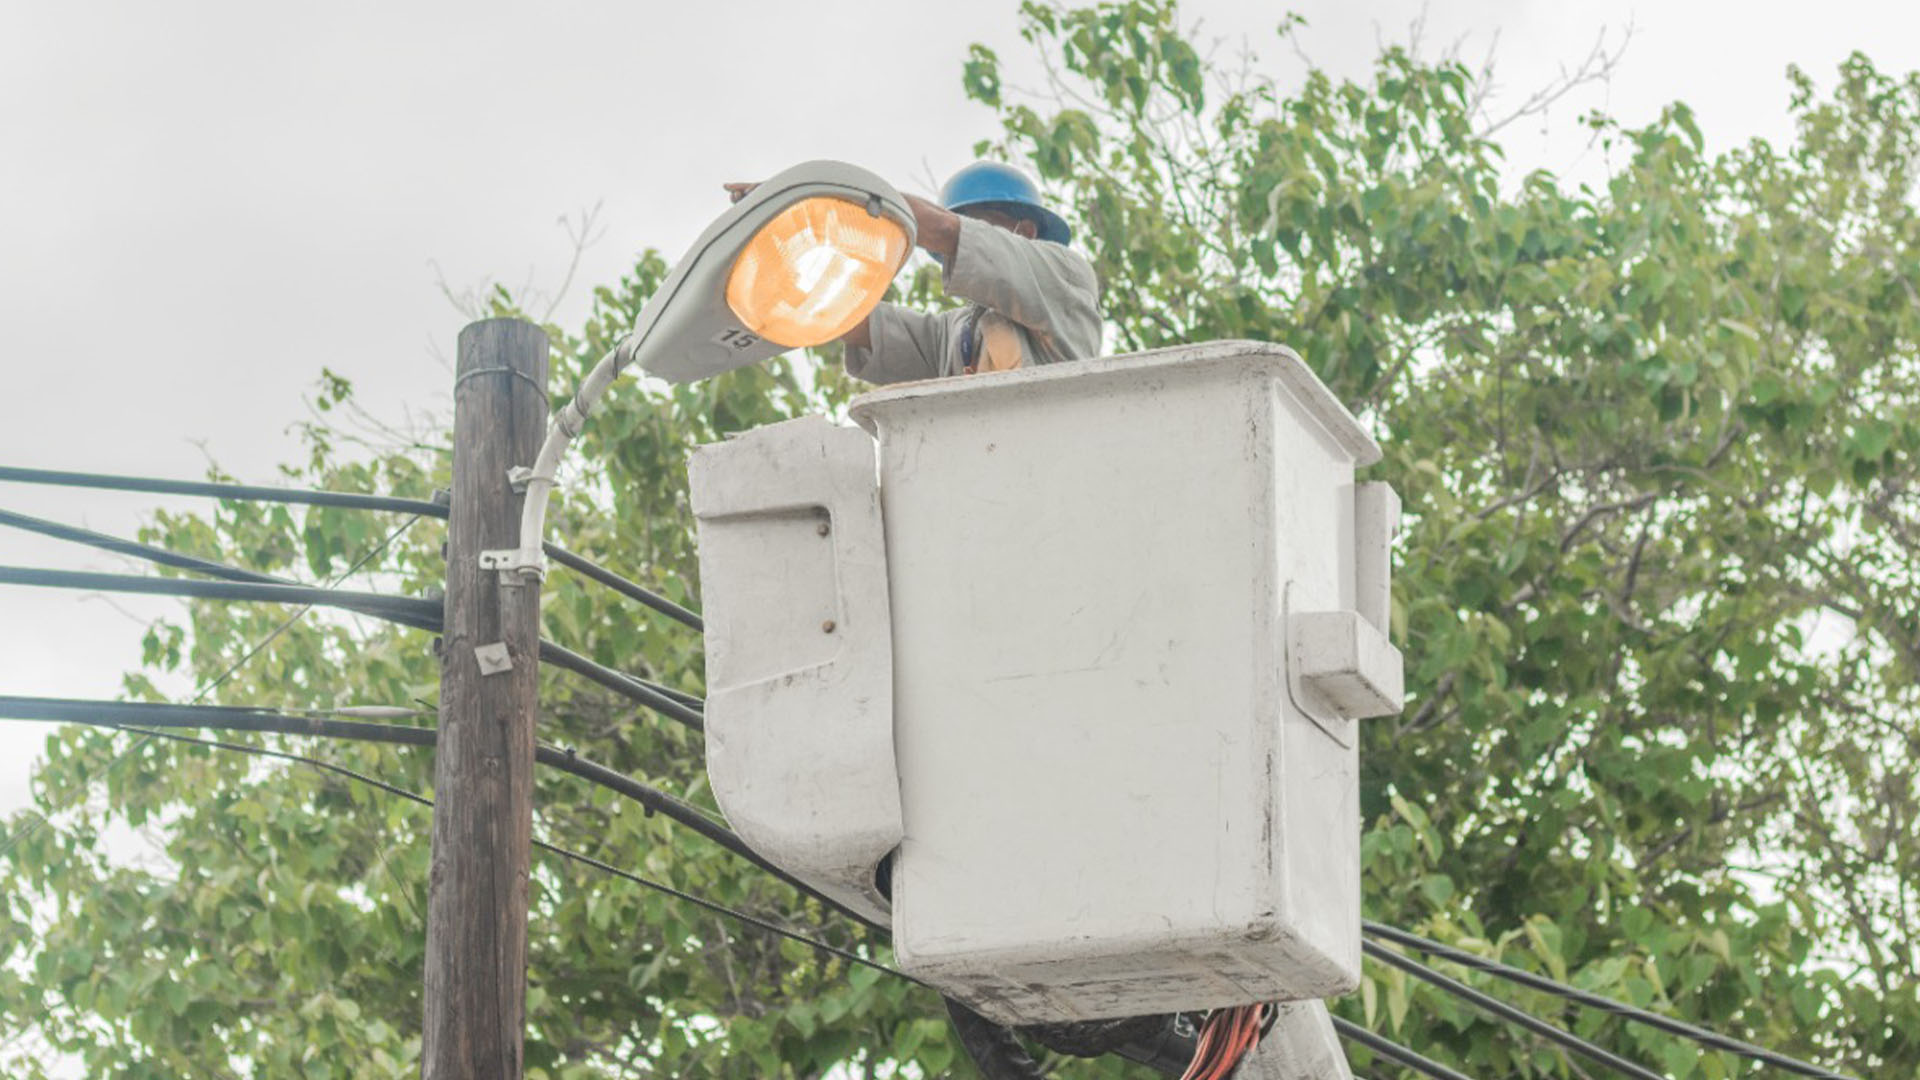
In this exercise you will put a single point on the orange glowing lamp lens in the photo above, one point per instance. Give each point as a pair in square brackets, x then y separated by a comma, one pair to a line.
[814, 271]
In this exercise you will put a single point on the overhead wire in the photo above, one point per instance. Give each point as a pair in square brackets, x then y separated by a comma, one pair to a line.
[1227, 1047]
[1380, 1043]
[1510, 1014]
[669, 703]
[732, 913]
[254, 650]
[394, 789]
[1393, 1051]
[247, 585]
[253, 719]
[122, 714]
[420, 614]
[1595, 1001]
[159, 555]
[745, 918]
[621, 585]
[243, 584]
[341, 500]
[345, 500]
[126, 715]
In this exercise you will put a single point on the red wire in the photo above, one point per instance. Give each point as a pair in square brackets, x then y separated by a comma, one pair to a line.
[1227, 1036]
[1202, 1058]
[1246, 1033]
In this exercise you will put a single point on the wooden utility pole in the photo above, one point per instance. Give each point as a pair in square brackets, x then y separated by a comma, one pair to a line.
[476, 964]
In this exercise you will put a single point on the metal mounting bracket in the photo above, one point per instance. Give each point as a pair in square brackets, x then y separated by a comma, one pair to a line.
[493, 659]
[517, 478]
[1337, 661]
[512, 566]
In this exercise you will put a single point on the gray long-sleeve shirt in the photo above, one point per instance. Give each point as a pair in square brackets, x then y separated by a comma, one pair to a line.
[1029, 302]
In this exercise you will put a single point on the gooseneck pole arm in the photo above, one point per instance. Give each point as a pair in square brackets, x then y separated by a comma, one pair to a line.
[527, 561]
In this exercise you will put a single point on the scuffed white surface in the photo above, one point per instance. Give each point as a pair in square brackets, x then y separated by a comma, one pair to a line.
[1302, 1045]
[799, 721]
[1112, 805]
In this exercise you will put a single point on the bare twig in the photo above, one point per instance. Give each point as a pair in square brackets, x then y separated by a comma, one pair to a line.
[1597, 67]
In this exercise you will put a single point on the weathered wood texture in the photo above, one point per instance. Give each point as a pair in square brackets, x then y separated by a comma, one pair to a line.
[483, 770]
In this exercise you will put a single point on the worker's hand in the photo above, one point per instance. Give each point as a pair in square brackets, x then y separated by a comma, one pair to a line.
[935, 227]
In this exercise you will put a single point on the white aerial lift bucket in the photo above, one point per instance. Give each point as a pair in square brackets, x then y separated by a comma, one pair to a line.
[1085, 676]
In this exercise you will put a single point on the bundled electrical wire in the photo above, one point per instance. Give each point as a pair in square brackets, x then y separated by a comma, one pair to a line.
[345, 500]
[1227, 1036]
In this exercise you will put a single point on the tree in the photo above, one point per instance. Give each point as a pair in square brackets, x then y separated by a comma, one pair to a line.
[1657, 442]
[1657, 445]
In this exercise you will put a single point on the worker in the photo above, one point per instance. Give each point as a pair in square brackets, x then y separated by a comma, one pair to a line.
[1031, 299]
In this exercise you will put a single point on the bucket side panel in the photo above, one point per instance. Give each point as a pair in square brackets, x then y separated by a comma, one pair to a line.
[1075, 581]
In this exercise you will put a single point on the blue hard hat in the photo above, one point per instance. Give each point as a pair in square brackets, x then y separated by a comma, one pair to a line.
[995, 186]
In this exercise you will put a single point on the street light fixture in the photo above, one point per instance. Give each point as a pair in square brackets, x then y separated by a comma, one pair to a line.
[796, 263]
[815, 270]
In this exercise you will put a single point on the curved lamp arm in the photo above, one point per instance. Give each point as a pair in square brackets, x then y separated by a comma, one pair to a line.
[803, 257]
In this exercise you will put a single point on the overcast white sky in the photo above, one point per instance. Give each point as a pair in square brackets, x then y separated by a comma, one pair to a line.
[203, 204]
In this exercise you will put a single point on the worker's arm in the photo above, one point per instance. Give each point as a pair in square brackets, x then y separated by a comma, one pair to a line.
[860, 336]
[936, 229]
[1045, 287]
[896, 344]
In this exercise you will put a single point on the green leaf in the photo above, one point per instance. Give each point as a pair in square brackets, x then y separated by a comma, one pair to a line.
[1870, 439]
[1613, 701]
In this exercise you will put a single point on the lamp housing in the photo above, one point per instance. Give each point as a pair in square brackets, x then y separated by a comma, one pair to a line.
[798, 262]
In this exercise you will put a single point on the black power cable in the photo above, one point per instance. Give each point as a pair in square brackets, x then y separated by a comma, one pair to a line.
[1387, 1048]
[346, 500]
[668, 703]
[123, 714]
[995, 1048]
[995, 1045]
[158, 555]
[622, 586]
[755, 921]
[421, 614]
[671, 703]
[1595, 1001]
[252, 651]
[343, 500]
[1510, 1014]
[656, 697]
[247, 585]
